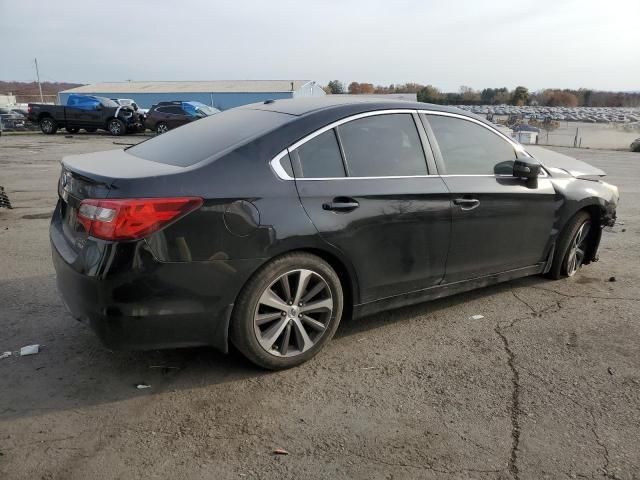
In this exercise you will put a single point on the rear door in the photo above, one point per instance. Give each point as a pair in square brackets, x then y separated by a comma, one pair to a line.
[175, 116]
[499, 222]
[367, 184]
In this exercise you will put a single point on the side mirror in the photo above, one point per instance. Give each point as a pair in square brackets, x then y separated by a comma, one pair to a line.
[522, 169]
[98, 107]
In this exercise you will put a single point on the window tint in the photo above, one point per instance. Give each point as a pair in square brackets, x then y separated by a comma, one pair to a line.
[174, 110]
[470, 149]
[320, 157]
[382, 145]
[210, 137]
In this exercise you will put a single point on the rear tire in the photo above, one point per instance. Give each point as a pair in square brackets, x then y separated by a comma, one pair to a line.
[48, 126]
[116, 127]
[72, 129]
[570, 248]
[162, 128]
[287, 312]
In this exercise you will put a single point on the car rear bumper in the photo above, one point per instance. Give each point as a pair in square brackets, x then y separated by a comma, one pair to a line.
[134, 302]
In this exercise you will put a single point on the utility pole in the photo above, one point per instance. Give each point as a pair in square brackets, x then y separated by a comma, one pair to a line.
[38, 75]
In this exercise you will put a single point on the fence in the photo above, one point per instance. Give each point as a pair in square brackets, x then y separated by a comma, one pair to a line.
[590, 135]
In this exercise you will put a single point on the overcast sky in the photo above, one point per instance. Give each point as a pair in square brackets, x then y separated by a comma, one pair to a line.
[479, 43]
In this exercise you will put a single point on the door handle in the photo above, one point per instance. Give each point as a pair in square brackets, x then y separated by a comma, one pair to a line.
[467, 203]
[341, 204]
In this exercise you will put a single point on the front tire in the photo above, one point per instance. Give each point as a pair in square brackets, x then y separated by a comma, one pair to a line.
[116, 127]
[162, 128]
[572, 247]
[48, 126]
[287, 312]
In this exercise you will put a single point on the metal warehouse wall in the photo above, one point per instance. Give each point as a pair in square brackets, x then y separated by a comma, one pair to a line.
[222, 101]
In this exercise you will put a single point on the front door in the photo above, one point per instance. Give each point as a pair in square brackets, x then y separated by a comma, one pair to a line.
[85, 112]
[499, 222]
[366, 186]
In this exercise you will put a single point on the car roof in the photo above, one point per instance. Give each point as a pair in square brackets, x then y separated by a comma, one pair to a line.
[304, 106]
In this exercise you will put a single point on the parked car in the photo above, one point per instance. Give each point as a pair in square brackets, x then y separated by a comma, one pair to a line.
[87, 112]
[168, 115]
[635, 145]
[264, 225]
[11, 119]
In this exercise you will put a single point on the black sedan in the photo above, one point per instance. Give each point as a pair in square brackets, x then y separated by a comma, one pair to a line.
[265, 225]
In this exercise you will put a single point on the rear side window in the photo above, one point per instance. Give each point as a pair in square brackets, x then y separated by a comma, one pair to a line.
[471, 149]
[210, 137]
[383, 145]
[319, 157]
[174, 110]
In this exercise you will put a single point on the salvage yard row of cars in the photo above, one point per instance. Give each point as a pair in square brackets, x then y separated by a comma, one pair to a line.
[569, 114]
[118, 117]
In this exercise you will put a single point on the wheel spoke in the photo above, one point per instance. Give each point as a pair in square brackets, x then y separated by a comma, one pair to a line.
[313, 292]
[303, 281]
[286, 287]
[326, 304]
[582, 235]
[270, 337]
[263, 318]
[313, 323]
[284, 346]
[302, 337]
[271, 299]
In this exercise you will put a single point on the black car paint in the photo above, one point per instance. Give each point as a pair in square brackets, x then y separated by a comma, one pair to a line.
[178, 286]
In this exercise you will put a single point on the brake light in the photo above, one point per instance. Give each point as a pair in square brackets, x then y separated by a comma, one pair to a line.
[133, 218]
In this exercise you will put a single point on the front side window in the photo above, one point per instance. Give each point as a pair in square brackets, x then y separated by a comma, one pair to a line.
[383, 145]
[319, 157]
[471, 149]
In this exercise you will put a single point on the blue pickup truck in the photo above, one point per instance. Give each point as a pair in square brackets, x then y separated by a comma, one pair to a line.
[88, 112]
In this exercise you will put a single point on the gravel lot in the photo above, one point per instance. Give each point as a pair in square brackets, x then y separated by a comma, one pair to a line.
[546, 385]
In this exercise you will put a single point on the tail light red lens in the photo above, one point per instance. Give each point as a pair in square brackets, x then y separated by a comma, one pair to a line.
[133, 218]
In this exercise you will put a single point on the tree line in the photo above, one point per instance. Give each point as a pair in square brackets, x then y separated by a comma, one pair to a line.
[520, 95]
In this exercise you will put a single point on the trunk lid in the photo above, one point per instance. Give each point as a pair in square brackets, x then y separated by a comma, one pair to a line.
[93, 175]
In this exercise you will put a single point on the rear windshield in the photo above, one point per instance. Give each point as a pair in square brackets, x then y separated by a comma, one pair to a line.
[199, 140]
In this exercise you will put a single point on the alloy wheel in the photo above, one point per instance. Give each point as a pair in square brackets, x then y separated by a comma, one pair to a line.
[47, 126]
[578, 249]
[162, 128]
[293, 313]
[114, 127]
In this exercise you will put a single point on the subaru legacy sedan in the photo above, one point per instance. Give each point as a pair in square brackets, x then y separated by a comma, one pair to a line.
[263, 226]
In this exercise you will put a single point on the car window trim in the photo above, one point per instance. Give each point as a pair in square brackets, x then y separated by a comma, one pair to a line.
[283, 175]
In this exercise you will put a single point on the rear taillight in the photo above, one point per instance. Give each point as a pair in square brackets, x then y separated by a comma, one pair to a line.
[133, 218]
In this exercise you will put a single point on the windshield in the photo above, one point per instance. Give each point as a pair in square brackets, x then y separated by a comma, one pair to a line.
[198, 109]
[107, 102]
